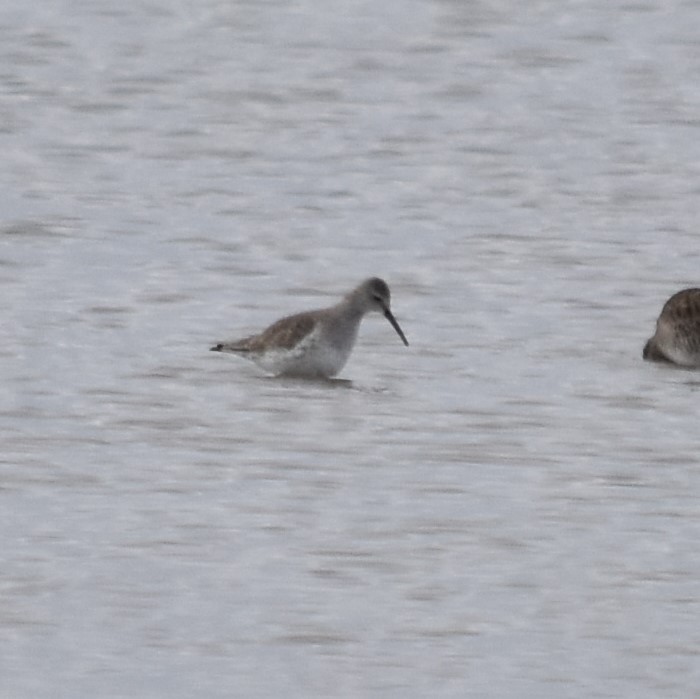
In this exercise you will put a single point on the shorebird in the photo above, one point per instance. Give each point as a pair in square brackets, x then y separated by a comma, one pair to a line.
[677, 336]
[316, 343]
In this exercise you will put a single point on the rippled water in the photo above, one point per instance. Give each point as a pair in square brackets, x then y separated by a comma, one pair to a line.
[507, 508]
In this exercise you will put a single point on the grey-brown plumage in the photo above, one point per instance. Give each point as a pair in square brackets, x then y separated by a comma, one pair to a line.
[677, 336]
[316, 343]
[284, 334]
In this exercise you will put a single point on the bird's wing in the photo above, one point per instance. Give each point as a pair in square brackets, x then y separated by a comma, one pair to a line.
[286, 333]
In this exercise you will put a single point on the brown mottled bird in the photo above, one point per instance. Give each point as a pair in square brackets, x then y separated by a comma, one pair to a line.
[677, 336]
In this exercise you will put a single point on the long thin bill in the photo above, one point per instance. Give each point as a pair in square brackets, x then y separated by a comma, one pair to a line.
[390, 317]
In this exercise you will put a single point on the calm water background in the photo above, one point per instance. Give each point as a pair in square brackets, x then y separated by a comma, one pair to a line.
[508, 508]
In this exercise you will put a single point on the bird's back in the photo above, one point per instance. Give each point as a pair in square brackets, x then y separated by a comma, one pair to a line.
[677, 337]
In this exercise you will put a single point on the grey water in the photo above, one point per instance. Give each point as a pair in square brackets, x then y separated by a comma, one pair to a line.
[506, 508]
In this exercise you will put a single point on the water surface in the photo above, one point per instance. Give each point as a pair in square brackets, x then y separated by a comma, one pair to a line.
[506, 508]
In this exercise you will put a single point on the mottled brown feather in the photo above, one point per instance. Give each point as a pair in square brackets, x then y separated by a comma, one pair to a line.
[285, 334]
[683, 305]
[677, 329]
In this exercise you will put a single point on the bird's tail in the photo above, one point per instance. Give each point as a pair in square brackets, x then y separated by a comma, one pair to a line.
[235, 347]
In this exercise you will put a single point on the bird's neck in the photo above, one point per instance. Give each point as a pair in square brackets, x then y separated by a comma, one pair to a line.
[349, 307]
